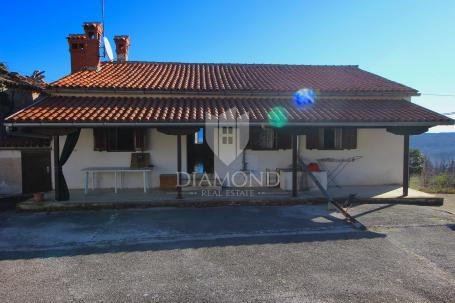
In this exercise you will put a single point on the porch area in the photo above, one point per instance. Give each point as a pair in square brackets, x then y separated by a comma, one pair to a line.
[208, 197]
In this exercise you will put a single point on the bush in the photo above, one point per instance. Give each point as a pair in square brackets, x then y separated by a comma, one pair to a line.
[429, 177]
[443, 181]
[416, 161]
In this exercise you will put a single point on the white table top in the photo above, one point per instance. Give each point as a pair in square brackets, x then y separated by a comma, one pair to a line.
[117, 168]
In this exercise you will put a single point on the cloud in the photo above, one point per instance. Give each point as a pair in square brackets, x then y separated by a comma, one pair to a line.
[444, 128]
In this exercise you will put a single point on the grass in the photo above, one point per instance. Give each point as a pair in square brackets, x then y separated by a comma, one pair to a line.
[438, 184]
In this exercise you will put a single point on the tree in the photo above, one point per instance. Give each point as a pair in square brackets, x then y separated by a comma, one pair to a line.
[416, 161]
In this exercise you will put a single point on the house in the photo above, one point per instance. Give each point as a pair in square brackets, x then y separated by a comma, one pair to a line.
[23, 160]
[103, 112]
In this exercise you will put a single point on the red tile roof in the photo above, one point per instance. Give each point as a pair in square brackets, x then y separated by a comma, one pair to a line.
[229, 78]
[59, 109]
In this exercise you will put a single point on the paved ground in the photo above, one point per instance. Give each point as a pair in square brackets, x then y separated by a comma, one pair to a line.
[229, 254]
[449, 202]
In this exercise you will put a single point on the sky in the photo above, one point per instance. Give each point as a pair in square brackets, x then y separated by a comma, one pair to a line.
[411, 42]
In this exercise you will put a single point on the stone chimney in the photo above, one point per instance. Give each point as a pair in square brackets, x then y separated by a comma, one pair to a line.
[122, 45]
[85, 48]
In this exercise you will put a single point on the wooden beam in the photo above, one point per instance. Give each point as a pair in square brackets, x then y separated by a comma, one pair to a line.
[407, 130]
[56, 167]
[183, 130]
[179, 166]
[406, 165]
[294, 165]
[62, 131]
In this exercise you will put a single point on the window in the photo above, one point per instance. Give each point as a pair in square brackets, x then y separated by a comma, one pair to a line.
[332, 138]
[227, 135]
[199, 136]
[120, 139]
[263, 139]
[117, 139]
[269, 139]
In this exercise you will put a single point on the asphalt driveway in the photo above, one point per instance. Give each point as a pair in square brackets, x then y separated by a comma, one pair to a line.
[228, 254]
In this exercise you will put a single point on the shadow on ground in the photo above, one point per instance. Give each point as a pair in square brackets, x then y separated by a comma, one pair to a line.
[88, 249]
[57, 234]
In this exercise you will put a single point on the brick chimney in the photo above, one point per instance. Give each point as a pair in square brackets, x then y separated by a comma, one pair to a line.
[122, 45]
[85, 48]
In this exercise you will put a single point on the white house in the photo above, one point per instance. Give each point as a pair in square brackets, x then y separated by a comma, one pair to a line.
[103, 112]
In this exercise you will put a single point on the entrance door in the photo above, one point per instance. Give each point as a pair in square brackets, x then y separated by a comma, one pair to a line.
[36, 171]
[199, 155]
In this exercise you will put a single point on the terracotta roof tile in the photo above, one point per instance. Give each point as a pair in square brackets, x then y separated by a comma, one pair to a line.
[194, 109]
[229, 78]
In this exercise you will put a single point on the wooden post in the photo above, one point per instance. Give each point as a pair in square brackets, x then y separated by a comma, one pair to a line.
[294, 165]
[179, 166]
[56, 167]
[406, 166]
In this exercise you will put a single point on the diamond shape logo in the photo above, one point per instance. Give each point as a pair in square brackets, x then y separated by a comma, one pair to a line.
[227, 134]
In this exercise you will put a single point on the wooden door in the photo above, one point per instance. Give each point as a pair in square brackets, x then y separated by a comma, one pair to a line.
[199, 155]
[36, 171]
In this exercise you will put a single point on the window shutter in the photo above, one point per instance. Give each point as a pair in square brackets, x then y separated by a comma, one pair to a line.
[284, 139]
[100, 139]
[312, 138]
[139, 138]
[254, 142]
[349, 138]
[263, 139]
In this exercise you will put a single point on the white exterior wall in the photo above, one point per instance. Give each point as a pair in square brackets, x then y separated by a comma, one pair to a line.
[10, 172]
[163, 155]
[381, 162]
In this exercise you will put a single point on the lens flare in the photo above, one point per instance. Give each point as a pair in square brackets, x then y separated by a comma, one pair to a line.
[278, 117]
[304, 97]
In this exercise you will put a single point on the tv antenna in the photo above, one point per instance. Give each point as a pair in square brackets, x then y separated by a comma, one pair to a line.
[107, 49]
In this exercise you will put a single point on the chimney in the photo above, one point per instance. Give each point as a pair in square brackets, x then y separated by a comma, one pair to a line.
[85, 48]
[122, 45]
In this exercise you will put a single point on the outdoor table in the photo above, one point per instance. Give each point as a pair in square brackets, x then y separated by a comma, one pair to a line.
[116, 171]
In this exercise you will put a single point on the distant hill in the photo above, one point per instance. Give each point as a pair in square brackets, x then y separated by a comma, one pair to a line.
[436, 146]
